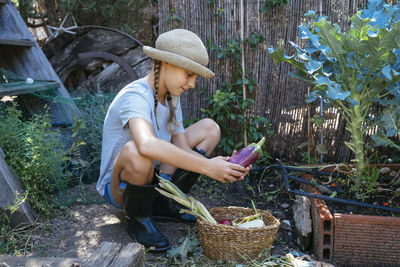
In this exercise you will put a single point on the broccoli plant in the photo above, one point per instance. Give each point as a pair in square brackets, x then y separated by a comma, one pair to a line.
[354, 70]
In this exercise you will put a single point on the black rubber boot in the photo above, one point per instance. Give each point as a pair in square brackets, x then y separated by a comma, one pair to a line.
[137, 203]
[185, 179]
[166, 209]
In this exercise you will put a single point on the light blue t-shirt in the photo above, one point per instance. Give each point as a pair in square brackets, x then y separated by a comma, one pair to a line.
[136, 100]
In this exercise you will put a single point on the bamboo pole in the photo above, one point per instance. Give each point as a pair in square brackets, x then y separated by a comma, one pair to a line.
[243, 68]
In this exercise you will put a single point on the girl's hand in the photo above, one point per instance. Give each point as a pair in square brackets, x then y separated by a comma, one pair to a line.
[222, 170]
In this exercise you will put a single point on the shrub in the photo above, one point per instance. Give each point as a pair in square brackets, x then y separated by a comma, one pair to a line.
[34, 151]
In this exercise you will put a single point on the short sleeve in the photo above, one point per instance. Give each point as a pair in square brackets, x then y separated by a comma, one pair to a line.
[134, 105]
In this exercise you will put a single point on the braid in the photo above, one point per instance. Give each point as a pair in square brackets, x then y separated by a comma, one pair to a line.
[172, 117]
[157, 65]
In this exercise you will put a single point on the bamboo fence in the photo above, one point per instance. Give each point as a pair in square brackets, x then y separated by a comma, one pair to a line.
[280, 98]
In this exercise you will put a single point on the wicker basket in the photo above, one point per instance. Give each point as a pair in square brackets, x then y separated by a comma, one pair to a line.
[228, 243]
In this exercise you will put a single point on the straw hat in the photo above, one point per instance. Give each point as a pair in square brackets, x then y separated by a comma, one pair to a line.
[181, 48]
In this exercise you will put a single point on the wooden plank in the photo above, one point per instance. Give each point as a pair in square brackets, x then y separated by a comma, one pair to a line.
[131, 256]
[25, 88]
[9, 187]
[103, 255]
[3, 1]
[17, 261]
[18, 42]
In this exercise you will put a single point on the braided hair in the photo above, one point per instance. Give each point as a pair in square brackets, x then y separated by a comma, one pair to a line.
[172, 115]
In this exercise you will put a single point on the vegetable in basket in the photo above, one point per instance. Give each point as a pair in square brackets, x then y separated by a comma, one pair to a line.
[248, 155]
[250, 221]
[196, 208]
[226, 222]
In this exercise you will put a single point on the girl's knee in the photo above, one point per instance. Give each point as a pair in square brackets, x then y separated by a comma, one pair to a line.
[212, 128]
[132, 161]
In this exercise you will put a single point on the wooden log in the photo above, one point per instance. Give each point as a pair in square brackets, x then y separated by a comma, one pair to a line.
[111, 254]
[131, 256]
[17, 261]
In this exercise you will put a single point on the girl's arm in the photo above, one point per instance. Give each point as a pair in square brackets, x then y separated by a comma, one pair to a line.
[149, 146]
[180, 140]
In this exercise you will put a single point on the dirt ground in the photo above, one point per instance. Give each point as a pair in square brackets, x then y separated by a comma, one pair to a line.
[84, 220]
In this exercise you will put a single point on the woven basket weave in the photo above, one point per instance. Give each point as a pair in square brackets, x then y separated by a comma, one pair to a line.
[229, 243]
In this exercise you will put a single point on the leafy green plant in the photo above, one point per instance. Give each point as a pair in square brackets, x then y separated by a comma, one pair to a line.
[352, 71]
[175, 17]
[26, 8]
[8, 240]
[33, 149]
[226, 105]
[17, 239]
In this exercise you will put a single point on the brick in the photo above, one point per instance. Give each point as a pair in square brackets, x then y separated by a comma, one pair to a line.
[366, 240]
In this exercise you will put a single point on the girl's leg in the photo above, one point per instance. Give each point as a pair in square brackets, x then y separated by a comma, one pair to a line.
[203, 135]
[138, 197]
[131, 167]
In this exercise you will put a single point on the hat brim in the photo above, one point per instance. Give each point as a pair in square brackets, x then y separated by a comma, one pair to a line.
[179, 61]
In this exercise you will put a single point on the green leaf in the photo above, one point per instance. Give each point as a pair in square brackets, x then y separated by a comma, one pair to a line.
[382, 140]
[331, 36]
[359, 29]
[320, 148]
[278, 56]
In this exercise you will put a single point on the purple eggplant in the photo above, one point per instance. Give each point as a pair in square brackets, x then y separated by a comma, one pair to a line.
[248, 155]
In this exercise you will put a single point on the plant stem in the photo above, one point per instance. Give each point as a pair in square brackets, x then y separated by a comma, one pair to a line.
[357, 140]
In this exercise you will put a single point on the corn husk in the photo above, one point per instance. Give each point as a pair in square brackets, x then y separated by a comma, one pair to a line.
[252, 224]
[195, 207]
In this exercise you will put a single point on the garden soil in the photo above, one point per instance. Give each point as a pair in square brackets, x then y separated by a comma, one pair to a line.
[83, 220]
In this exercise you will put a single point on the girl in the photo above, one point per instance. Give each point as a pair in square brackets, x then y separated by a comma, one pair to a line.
[143, 135]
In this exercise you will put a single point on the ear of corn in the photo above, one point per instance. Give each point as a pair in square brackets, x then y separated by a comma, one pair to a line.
[170, 190]
[171, 187]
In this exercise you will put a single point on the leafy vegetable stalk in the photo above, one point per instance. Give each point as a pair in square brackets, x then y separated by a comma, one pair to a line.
[196, 208]
[354, 71]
